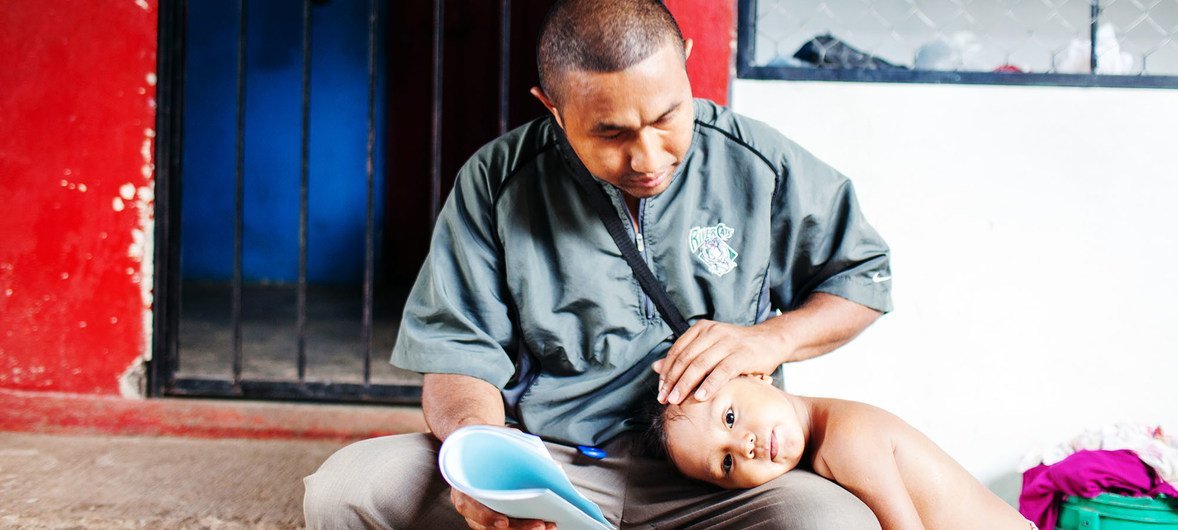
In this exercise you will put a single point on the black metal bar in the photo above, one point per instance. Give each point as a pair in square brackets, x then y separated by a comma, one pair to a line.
[746, 35]
[1092, 60]
[303, 182]
[305, 391]
[370, 222]
[239, 204]
[504, 61]
[169, 134]
[435, 171]
[966, 78]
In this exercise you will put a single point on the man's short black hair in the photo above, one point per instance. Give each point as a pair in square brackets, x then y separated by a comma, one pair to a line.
[601, 36]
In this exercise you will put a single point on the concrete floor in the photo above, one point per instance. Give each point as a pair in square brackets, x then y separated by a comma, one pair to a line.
[59, 482]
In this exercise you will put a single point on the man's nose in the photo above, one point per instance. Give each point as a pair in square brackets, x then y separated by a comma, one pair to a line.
[647, 155]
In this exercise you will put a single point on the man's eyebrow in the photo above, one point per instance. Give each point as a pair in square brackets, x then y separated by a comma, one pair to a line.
[605, 126]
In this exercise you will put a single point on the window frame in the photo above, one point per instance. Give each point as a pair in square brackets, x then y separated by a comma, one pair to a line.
[746, 68]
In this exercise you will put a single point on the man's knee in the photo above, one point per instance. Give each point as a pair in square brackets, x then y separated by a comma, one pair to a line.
[805, 501]
[372, 483]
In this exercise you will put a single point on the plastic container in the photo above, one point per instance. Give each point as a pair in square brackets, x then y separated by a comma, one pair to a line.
[1116, 512]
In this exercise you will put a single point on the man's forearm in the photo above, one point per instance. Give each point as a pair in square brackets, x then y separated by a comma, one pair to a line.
[824, 322]
[450, 401]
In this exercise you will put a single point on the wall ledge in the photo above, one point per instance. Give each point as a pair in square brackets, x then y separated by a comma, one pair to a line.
[57, 413]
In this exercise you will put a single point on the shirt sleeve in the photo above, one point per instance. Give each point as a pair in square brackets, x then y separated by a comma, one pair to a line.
[823, 242]
[457, 319]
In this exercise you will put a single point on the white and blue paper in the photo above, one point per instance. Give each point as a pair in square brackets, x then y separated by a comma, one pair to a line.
[512, 473]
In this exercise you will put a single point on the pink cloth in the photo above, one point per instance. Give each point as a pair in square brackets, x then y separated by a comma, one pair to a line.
[1086, 474]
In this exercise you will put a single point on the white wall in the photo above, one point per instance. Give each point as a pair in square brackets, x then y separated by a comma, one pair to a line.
[1034, 233]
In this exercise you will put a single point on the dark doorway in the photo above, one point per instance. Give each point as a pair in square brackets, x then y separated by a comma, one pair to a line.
[286, 247]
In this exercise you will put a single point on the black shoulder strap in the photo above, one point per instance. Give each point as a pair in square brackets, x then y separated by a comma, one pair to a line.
[609, 217]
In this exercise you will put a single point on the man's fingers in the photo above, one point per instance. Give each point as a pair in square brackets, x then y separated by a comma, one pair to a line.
[721, 374]
[686, 338]
[672, 375]
[513, 524]
[663, 366]
[480, 517]
[476, 514]
[705, 362]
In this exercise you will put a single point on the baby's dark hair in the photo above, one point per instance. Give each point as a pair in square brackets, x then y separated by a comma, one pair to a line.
[653, 442]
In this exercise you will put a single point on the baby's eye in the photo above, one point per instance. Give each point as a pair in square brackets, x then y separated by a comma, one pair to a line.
[726, 465]
[729, 418]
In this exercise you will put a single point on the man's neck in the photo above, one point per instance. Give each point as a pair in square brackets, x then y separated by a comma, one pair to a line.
[632, 207]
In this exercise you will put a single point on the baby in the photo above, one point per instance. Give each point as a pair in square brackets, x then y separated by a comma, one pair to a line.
[750, 432]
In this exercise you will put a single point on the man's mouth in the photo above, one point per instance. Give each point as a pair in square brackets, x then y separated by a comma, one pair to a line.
[772, 446]
[651, 181]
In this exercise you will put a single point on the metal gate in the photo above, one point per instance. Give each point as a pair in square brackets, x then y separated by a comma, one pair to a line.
[246, 336]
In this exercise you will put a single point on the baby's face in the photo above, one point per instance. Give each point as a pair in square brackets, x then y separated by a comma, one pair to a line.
[744, 436]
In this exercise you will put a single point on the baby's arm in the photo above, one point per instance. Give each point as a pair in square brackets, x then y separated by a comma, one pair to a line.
[855, 448]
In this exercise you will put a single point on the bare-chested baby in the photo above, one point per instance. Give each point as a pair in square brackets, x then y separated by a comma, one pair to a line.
[751, 432]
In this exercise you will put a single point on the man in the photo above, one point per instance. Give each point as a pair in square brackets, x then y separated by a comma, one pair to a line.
[526, 313]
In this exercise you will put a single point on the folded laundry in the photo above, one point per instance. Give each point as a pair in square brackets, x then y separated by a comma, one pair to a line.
[1086, 474]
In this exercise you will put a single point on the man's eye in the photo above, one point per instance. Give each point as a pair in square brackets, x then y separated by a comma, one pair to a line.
[610, 137]
[729, 418]
[726, 465]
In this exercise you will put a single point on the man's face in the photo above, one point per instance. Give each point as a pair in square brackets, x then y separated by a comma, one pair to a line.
[744, 436]
[630, 128]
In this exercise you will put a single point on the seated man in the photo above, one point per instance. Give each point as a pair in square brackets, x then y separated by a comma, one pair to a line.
[525, 312]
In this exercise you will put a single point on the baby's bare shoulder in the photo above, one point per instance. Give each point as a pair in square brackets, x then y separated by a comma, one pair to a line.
[838, 416]
[853, 429]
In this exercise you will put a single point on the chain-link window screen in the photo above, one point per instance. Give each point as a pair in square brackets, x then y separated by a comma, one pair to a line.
[1133, 37]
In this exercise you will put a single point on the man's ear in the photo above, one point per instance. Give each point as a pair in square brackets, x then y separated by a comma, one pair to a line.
[544, 100]
[687, 43]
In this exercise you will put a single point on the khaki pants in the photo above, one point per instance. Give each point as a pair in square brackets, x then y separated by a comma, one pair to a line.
[393, 482]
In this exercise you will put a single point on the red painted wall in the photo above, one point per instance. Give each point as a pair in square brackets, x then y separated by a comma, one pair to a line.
[711, 25]
[76, 141]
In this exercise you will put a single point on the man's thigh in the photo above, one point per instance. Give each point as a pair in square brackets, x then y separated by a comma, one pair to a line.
[388, 482]
[659, 497]
[394, 482]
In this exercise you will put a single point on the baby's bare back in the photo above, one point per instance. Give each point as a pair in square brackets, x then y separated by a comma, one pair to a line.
[899, 472]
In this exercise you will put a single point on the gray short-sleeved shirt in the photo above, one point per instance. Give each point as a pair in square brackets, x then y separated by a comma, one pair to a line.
[524, 288]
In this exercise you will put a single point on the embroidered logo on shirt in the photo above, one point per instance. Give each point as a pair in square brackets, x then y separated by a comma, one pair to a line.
[709, 244]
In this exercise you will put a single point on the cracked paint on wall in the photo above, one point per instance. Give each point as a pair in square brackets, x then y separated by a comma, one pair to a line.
[77, 138]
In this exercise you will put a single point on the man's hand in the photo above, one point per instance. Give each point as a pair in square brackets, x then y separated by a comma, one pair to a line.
[452, 401]
[481, 517]
[712, 353]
